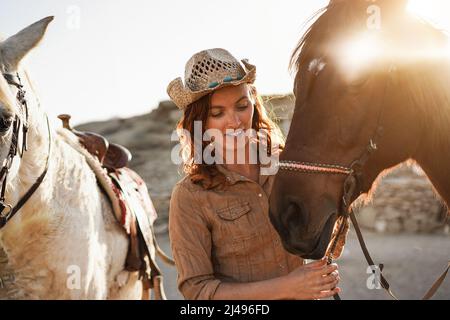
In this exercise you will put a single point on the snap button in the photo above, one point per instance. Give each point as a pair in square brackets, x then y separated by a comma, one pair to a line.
[260, 195]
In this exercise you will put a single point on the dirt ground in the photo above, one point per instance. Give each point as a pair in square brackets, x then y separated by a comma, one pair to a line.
[412, 263]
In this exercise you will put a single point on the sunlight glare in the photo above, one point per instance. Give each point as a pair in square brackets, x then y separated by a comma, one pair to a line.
[434, 11]
[357, 53]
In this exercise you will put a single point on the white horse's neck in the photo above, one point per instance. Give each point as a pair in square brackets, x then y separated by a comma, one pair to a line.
[40, 211]
[60, 206]
[34, 160]
[28, 225]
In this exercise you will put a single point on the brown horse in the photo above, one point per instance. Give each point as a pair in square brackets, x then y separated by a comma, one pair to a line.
[360, 119]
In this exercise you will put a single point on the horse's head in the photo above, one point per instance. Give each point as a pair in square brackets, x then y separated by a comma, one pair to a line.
[12, 113]
[344, 100]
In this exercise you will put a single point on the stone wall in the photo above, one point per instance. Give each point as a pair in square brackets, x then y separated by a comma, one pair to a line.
[405, 202]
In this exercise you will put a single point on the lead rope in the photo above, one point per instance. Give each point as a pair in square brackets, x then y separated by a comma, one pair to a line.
[436, 285]
[333, 247]
[383, 282]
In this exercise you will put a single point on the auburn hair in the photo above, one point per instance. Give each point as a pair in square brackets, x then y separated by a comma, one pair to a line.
[207, 175]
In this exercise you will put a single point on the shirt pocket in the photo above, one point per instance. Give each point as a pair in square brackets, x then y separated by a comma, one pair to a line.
[239, 240]
[234, 210]
[236, 220]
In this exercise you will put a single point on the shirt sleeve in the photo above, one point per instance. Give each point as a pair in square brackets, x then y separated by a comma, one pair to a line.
[191, 244]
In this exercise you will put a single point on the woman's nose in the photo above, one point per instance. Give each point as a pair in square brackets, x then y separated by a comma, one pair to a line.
[234, 121]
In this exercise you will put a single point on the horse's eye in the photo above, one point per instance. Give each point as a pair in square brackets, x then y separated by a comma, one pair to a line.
[5, 123]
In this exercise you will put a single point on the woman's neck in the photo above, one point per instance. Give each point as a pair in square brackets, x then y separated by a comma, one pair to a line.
[249, 167]
[250, 171]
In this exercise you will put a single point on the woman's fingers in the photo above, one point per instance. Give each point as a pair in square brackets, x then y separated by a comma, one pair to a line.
[325, 277]
[328, 294]
[317, 264]
[331, 278]
[325, 270]
[329, 285]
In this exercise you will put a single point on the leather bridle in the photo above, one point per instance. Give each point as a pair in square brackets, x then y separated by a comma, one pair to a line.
[7, 211]
[352, 189]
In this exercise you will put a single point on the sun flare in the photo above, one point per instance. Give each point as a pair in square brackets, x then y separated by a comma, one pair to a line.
[361, 51]
[435, 11]
[358, 52]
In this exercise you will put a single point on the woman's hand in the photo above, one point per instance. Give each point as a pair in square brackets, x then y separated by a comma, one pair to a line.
[315, 280]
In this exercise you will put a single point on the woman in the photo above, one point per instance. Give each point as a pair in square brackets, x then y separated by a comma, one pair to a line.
[222, 240]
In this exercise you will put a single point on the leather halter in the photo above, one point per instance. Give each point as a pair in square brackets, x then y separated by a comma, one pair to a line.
[7, 211]
[352, 189]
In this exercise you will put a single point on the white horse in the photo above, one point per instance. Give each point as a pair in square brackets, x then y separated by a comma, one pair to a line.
[64, 243]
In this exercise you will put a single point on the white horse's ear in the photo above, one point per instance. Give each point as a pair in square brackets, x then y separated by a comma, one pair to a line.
[14, 49]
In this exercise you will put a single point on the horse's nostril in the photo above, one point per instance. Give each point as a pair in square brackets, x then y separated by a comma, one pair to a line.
[294, 216]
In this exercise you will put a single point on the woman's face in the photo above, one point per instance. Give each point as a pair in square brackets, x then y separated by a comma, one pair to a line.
[231, 113]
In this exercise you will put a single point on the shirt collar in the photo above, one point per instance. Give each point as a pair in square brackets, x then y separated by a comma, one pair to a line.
[233, 177]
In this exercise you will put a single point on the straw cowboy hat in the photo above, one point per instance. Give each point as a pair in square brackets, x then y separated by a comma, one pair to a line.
[207, 71]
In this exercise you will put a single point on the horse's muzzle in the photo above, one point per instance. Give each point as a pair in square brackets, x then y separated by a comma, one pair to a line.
[304, 233]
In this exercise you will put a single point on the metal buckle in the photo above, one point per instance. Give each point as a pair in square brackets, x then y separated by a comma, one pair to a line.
[5, 215]
[372, 146]
[356, 167]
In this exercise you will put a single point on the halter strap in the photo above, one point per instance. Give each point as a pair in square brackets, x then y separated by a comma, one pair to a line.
[313, 167]
[5, 216]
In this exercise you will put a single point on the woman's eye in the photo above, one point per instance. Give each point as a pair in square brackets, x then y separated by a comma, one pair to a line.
[216, 115]
[243, 107]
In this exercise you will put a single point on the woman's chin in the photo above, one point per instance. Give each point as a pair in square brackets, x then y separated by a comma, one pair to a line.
[236, 152]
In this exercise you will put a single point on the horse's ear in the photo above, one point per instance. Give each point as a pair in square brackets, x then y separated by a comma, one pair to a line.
[14, 49]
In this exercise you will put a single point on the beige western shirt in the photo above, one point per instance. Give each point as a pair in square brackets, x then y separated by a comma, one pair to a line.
[225, 235]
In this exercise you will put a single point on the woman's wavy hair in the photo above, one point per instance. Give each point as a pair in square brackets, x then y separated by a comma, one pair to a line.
[207, 175]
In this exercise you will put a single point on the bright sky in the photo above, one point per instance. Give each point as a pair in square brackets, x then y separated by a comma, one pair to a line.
[103, 58]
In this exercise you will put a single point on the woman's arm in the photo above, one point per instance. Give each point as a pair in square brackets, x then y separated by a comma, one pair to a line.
[311, 281]
[191, 243]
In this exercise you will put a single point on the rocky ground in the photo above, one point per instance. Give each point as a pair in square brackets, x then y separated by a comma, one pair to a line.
[406, 224]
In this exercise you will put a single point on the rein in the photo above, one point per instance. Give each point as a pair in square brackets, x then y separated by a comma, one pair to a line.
[352, 189]
[7, 211]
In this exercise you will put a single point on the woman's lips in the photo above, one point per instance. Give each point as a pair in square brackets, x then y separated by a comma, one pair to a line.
[234, 133]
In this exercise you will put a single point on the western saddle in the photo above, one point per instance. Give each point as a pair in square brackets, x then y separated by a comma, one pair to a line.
[110, 155]
[130, 191]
